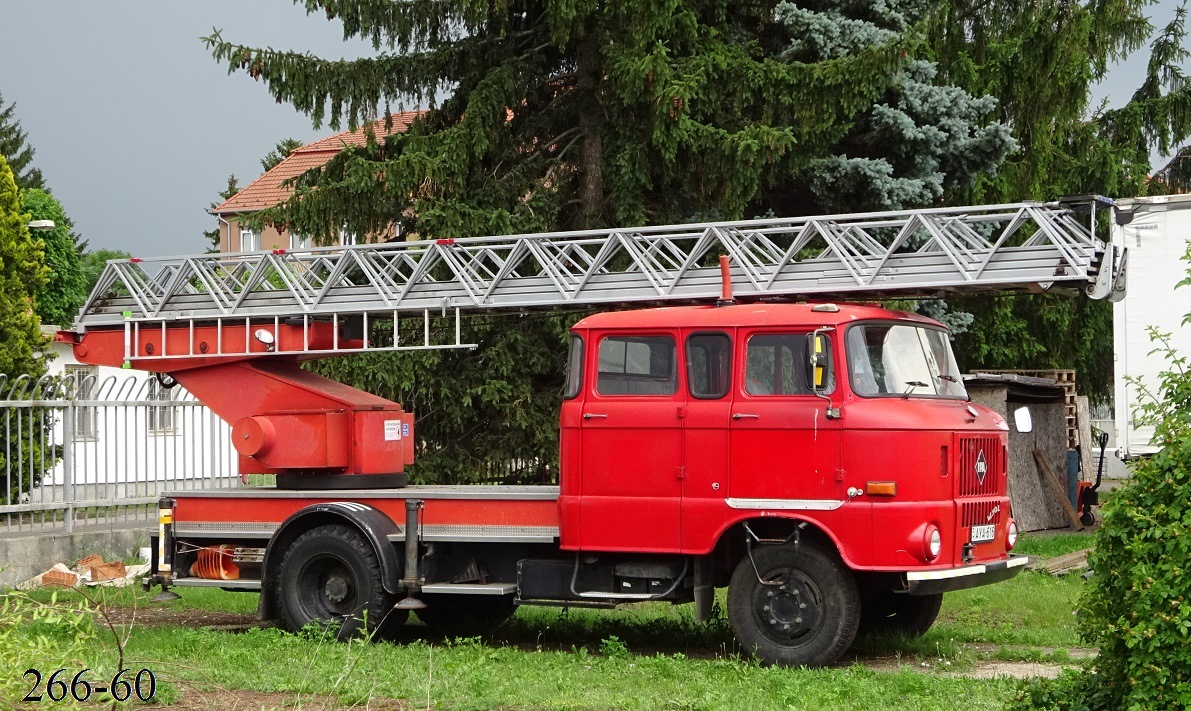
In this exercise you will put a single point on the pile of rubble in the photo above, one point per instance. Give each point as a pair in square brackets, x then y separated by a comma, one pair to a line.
[92, 570]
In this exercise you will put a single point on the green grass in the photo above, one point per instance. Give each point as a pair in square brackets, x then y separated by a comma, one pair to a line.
[1032, 609]
[473, 674]
[1052, 545]
[651, 656]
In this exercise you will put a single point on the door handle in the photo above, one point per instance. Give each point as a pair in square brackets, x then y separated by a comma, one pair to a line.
[590, 415]
[744, 416]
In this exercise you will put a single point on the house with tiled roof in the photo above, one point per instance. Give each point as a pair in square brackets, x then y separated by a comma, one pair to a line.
[271, 189]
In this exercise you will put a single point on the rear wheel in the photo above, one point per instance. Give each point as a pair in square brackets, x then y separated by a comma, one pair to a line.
[465, 614]
[330, 577]
[807, 616]
[889, 612]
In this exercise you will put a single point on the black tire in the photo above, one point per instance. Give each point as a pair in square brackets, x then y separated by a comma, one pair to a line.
[330, 577]
[465, 614]
[809, 619]
[1087, 518]
[887, 612]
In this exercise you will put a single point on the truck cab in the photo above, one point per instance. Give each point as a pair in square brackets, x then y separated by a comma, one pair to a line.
[712, 431]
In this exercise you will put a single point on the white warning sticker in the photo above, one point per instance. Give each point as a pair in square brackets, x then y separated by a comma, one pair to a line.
[392, 430]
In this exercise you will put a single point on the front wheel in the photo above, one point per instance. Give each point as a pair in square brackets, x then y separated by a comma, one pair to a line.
[330, 578]
[808, 613]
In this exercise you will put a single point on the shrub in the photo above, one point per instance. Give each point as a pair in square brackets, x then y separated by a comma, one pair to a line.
[40, 635]
[1137, 608]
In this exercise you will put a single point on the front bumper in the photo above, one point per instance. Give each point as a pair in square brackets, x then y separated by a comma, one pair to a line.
[931, 582]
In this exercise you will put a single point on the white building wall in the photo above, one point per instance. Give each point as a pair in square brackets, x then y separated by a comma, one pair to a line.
[1156, 233]
[115, 443]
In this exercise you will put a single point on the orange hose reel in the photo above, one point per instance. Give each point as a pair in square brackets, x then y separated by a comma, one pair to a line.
[215, 563]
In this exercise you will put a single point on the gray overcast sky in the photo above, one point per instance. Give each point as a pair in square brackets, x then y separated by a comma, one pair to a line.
[136, 128]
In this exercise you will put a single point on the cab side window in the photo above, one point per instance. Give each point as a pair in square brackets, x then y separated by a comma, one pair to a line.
[574, 382]
[637, 365]
[777, 365]
[709, 365]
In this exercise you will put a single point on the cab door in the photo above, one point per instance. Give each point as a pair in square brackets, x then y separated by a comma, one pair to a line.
[708, 358]
[631, 424]
[784, 452]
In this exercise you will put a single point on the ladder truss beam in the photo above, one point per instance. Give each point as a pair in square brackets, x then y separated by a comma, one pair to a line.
[1028, 246]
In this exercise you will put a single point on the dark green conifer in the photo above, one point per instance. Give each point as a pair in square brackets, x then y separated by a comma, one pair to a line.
[14, 149]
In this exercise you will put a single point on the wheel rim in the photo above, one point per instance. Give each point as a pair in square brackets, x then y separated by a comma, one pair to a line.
[789, 612]
[328, 588]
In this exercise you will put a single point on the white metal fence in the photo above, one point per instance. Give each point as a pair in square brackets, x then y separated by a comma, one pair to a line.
[80, 449]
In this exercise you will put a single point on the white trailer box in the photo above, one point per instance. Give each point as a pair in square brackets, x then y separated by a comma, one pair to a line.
[1156, 231]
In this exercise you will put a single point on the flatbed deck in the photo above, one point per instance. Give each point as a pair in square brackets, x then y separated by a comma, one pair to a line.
[464, 513]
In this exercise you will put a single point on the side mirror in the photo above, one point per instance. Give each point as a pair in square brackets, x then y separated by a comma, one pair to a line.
[1022, 420]
[816, 361]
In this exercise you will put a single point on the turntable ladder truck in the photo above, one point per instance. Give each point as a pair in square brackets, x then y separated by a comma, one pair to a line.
[746, 427]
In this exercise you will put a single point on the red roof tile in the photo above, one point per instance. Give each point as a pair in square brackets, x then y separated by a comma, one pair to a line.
[267, 190]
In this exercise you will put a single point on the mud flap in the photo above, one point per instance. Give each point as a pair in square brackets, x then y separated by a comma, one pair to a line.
[704, 590]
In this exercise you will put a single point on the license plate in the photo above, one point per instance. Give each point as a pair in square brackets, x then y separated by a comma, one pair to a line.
[980, 534]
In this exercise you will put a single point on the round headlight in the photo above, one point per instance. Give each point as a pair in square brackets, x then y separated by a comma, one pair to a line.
[934, 543]
[1011, 540]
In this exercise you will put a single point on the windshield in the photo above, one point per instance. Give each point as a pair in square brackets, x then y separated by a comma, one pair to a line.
[898, 359]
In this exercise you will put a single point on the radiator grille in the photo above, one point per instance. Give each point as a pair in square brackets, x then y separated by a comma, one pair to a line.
[977, 513]
[977, 453]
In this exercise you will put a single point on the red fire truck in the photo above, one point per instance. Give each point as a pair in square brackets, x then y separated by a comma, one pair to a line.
[820, 460]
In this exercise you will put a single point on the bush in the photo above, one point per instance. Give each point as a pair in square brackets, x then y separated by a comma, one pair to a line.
[1137, 606]
[40, 635]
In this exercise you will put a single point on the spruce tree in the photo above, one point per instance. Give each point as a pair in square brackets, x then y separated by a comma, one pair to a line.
[921, 141]
[279, 153]
[1040, 61]
[561, 115]
[1067, 148]
[14, 149]
[212, 235]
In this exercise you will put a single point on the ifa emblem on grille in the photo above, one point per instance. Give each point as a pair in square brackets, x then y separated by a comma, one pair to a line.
[981, 467]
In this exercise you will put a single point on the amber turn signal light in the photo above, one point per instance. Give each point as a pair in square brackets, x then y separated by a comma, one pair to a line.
[881, 488]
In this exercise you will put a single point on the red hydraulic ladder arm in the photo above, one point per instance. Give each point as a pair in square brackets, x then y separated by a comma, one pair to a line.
[285, 421]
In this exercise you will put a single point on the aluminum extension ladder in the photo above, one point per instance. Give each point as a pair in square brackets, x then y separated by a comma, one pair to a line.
[905, 254]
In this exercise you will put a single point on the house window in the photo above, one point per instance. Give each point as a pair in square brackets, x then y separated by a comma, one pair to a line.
[297, 241]
[250, 240]
[83, 381]
[161, 417]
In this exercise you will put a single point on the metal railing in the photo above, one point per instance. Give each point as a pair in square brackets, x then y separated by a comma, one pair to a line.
[81, 450]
